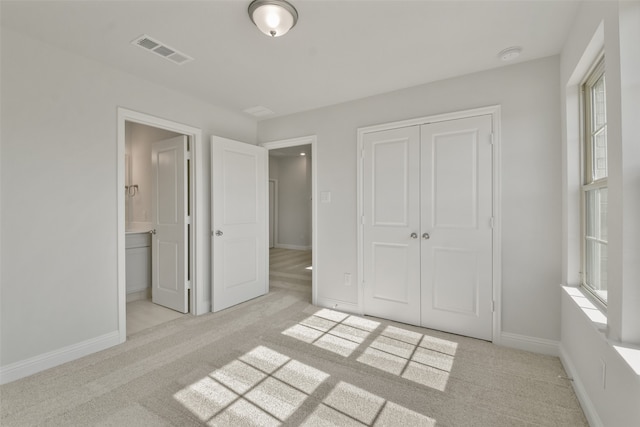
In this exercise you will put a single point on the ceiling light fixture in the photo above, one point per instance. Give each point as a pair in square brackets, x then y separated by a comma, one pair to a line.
[510, 53]
[273, 17]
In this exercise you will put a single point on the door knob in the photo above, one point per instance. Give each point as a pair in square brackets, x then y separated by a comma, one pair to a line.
[425, 236]
[152, 231]
[219, 233]
[414, 235]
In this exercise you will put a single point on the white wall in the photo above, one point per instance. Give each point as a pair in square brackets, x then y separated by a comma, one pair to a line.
[140, 139]
[614, 26]
[59, 260]
[531, 191]
[294, 200]
[584, 351]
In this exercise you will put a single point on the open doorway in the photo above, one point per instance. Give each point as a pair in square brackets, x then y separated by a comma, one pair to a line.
[292, 237]
[156, 221]
[151, 243]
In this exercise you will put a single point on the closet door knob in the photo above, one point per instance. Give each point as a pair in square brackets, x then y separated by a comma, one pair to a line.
[425, 236]
[414, 235]
[219, 233]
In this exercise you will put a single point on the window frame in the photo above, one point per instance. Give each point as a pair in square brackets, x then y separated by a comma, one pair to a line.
[588, 183]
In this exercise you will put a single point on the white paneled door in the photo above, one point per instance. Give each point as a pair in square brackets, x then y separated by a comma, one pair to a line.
[169, 217]
[427, 237]
[239, 222]
[391, 189]
[456, 214]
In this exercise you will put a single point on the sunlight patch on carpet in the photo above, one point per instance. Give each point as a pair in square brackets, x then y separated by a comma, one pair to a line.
[348, 405]
[416, 357]
[261, 387]
[265, 388]
[332, 330]
[421, 358]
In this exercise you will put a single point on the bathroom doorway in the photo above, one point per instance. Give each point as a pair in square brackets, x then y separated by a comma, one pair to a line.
[156, 227]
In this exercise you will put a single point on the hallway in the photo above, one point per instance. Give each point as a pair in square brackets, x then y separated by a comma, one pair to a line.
[290, 266]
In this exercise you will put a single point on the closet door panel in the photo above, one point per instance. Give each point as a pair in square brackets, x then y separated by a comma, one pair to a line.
[454, 197]
[456, 259]
[455, 284]
[391, 214]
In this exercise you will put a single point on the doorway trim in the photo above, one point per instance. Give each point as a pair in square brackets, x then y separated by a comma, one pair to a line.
[275, 209]
[293, 142]
[196, 304]
[495, 112]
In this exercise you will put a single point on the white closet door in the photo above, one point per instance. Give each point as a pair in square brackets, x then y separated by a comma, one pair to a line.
[239, 221]
[456, 181]
[169, 217]
[391, 202]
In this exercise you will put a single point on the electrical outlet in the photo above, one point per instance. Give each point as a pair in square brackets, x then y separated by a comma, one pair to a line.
[347, 279]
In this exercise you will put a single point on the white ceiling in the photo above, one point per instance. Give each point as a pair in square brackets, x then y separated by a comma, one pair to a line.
[339, 51]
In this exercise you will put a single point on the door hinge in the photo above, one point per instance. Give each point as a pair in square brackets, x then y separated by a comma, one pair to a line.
[188, 284]
[492, 222]
[491, 138]
[493, 306]
[188, 220]
[363, 220]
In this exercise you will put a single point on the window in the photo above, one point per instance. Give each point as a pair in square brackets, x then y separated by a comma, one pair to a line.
[594, 188]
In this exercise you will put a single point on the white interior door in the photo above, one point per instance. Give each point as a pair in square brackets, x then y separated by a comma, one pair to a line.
[169, 217]
[456, 182]
[391, 207]
[239, 222]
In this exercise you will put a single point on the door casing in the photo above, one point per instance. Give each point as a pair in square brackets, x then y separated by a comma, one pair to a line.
[273, 224]
[198, 200]
[495, 112]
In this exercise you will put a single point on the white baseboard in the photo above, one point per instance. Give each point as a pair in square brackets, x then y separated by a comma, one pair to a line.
[24, 368]
[533, 344]
[339, 305]
[293, 247]
[144, 293]
[134, 289]
[587, 405]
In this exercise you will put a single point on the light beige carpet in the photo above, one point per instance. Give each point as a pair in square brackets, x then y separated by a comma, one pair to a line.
[277, 360]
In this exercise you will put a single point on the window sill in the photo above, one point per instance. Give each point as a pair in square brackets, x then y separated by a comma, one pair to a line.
[596, 315]
[598, 318]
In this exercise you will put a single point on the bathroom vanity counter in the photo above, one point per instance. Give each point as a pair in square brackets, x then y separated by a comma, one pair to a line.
[138, 229]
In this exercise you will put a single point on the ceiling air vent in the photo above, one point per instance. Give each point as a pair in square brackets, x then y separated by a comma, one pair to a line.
[259, 111]
[161, 49]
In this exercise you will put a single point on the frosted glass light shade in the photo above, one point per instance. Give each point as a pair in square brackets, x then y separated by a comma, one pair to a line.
[273, 17]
